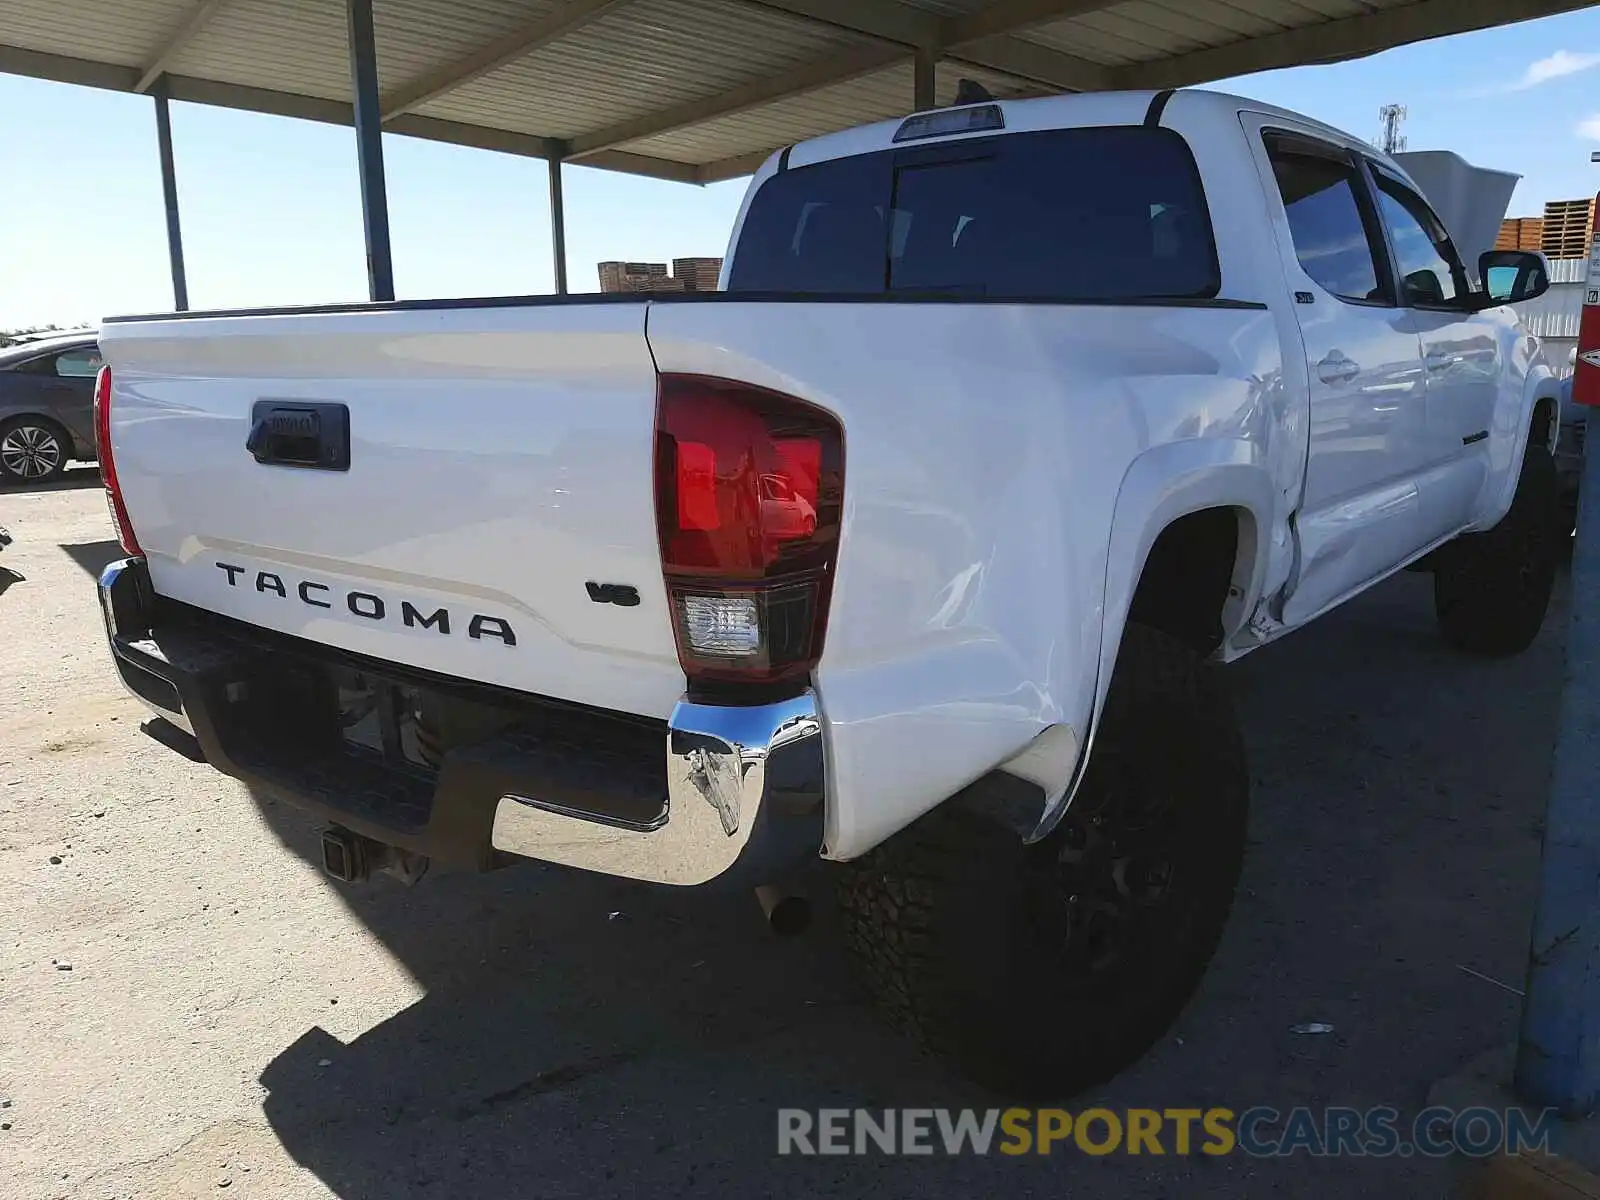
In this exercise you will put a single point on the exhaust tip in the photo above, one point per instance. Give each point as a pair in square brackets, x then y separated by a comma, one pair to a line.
[788, 913]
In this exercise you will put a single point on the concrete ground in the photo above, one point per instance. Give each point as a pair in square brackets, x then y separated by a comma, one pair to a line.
[188, 1007]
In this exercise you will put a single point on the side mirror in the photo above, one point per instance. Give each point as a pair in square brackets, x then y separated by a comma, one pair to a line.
[1512, 275]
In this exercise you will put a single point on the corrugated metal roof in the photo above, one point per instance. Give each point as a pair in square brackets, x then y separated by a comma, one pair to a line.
[874, 97]
[416, 36]
[122, 34]
[244, 43]
[689, 89]
[947, 8]
[646, 57]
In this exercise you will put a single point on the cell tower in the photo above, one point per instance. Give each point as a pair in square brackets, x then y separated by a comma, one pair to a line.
[1391, 141]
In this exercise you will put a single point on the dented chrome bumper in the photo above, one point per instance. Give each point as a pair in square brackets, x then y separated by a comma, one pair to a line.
[744, 789]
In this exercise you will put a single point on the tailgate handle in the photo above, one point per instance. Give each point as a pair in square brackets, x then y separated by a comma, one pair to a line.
[309, 434]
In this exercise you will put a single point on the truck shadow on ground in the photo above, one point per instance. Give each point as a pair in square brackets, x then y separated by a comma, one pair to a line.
[81, 475]
[92, 557]
[584, 1036]
[566, 1011]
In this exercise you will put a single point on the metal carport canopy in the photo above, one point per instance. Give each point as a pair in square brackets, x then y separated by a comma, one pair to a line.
[689, 90]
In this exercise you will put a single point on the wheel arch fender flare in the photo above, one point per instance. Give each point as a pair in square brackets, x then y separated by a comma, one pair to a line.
[1164, 484]
[1538, 386]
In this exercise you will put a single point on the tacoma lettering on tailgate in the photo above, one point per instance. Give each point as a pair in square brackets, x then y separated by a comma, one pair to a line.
[369, 605]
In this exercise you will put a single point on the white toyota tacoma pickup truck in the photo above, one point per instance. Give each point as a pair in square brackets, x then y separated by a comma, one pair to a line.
[908, 549]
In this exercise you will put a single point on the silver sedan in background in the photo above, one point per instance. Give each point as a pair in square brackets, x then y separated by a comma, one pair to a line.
[46, 406]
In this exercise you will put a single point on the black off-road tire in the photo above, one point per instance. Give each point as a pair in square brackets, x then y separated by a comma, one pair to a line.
[1491, 589]
[1040, 971]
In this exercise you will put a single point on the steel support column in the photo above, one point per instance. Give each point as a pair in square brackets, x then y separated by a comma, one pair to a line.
[169, 193]
[1558, 1053]
[1558, 1050]
[558, 225]
[369, 150]
[923, 97]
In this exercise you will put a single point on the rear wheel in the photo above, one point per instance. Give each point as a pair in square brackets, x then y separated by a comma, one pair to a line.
[1043, 970]
[32, 450]
[1491, 589]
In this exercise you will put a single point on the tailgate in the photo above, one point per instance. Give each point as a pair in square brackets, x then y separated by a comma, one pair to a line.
[500, 476]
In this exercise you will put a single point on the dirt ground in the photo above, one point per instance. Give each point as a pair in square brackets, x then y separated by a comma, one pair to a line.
[189, 1008]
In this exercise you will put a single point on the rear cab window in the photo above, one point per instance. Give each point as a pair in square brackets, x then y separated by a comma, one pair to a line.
[1094, 215]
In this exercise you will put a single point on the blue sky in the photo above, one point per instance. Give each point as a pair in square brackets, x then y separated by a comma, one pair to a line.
[271, 206]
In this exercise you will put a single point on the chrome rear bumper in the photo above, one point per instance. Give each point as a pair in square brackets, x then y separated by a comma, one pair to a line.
[736, 778]
[737, 798]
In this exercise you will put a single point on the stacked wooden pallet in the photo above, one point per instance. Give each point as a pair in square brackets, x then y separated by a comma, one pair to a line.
[632, 276]
[1567, 228]
[1521, 233]
[698, 274]
[688, 275]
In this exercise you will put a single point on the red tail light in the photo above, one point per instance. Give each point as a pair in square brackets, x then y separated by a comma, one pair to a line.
[749, 496]
[108, 466]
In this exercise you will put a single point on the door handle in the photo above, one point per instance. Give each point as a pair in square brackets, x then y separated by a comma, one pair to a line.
[1440, 362]
[1336, 368]
[312, 434]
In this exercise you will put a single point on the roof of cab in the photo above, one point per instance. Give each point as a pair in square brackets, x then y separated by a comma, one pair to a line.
[1069, 111]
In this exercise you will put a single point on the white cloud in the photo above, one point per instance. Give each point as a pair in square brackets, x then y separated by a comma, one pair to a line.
[1562, 62]
[1589, 128]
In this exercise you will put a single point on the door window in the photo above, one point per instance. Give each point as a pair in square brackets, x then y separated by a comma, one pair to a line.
[69, 364]
[1428, 265]
[1332, 241]
[78, 364]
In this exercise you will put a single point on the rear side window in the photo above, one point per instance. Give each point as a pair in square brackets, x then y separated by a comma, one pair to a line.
[1089, 215]
[43, 365]
[1331, 240]
[78, 364]
[69, 364]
